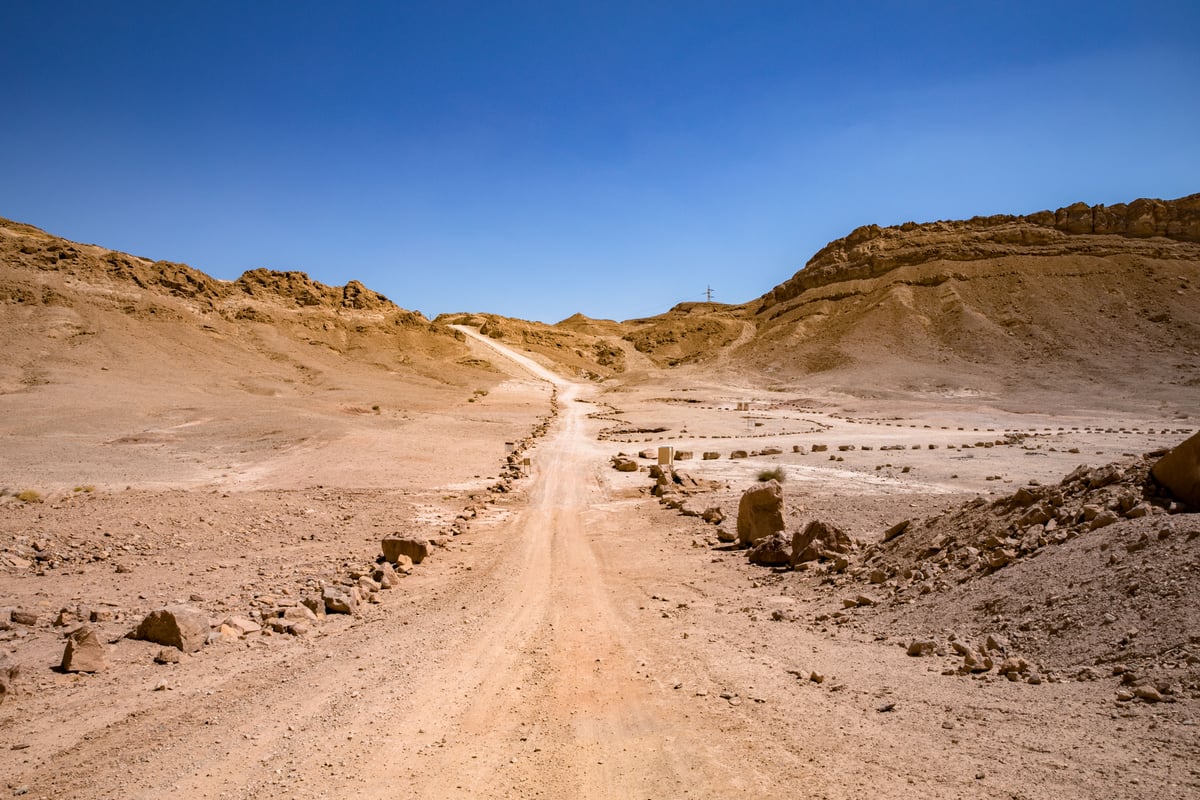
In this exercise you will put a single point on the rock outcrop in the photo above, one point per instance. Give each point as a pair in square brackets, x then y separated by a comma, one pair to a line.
[871, 251]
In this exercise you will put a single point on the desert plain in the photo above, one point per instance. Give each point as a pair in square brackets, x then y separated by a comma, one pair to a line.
[994, 621]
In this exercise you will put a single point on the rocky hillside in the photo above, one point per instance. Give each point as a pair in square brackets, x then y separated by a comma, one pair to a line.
[72, 307]
[578, 346]
[1145, 228]
[1083, 300]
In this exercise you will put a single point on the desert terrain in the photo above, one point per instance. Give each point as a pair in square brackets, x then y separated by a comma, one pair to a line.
[1010, 606]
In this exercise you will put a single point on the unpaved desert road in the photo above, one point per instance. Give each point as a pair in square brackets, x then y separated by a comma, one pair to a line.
[563, 647]
[504, 667]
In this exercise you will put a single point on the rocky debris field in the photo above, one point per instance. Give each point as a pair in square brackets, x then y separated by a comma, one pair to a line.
[1093, 578]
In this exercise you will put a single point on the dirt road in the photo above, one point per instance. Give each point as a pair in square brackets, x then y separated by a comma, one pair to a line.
[577, 642]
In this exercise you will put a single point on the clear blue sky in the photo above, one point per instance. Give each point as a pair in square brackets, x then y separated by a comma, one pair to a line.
[536, 158]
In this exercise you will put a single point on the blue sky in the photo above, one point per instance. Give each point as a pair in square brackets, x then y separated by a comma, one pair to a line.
[535, 159]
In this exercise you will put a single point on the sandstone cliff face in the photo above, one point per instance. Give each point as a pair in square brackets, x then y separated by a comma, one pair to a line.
[1150, 228]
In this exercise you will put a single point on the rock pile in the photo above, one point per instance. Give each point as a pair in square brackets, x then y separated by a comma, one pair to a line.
[984, 537]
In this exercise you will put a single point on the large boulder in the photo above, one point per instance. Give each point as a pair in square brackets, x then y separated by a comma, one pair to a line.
[182, 627]
[771, 551]
[819, 540]
[1179, 472]
[415, 548]
[84, 652]
[760, 512]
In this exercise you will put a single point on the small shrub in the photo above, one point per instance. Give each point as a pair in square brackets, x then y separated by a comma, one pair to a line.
[87, 488]
[29, 496]
[775, 473]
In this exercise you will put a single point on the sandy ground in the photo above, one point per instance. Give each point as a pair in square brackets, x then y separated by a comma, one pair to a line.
[575, 640]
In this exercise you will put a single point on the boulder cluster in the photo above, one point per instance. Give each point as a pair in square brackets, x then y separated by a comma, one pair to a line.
[760, 527]
[984, 536]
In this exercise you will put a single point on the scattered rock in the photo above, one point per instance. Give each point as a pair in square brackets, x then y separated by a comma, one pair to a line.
[175, 626]
[414, 548]
[23, 616]
[85, 652]
[1148, 693]
[896, 530]
[385, 575]
[819, 540]
[921, 647]
[624, 464]
[771, 551]
[240, 626]
[167, 656]
[339, 601]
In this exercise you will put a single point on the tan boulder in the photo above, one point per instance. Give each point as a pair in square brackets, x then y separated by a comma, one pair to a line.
[760, 512]
[182, 627]
[1179, 472]
[340, 600]
[84, 652]
[412, 547]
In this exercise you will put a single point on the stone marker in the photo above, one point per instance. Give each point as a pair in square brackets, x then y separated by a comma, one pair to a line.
[84, 652]
[175, 626]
